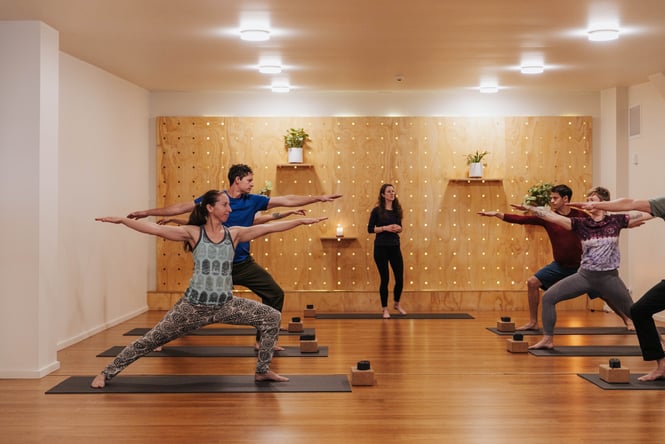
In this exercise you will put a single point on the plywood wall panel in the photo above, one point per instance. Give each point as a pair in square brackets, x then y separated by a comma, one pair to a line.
[452, 255]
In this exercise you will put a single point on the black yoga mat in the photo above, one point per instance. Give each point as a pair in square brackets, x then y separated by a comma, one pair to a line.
[214, 331]
[633, 384]
[190, 351]
[394, 316]
[202, 384]
[590, 350]
[571, 331]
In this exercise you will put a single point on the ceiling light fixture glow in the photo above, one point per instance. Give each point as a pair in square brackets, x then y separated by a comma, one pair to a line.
[255, 35]
[488, 89]
[270, 69]
[603, 35]
[280, 88]
[532, 69]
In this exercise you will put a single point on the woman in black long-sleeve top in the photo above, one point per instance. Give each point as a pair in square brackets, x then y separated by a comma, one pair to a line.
[386, 221]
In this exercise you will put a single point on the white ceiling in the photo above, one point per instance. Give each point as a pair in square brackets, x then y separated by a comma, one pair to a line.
[358, 45]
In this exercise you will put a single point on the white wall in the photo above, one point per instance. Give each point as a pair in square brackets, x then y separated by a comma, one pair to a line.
[346, 103]
[28, 197]
[74, 144]
[646, 180]
[104, 171]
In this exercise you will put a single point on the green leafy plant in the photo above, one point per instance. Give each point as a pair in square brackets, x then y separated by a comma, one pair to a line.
[476, 157]
[266, 188]
[295, 138]
[538, 195]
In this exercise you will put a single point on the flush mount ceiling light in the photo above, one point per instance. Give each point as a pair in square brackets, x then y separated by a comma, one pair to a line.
[255, 34]
[270, 69]
[280, 88]
[488, 89]
[532, 69]
[603, 34]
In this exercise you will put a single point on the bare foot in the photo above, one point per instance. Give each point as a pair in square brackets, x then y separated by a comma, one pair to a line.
[658, 373]
[158, 349]
[531, 325]
[276, 348]
[386, 314]
[547, 343]
[99, 381]
[269, 376]
[629, 325]
[400, 309]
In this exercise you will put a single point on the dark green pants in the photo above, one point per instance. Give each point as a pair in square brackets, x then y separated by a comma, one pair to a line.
[251, 275]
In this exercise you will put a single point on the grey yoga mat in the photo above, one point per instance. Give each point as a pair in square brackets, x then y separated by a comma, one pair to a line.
[202, 384]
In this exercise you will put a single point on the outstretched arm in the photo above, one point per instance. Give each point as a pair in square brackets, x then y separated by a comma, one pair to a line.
[496, 214]
[293, 200]
[246, 234]
[550, 216]
[171, 210]
[623, 204]
[181, 233]
[172, 220]
[638, 218]
[261, 218]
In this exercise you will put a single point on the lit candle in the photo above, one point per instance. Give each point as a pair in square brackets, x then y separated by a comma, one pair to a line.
[340, 231]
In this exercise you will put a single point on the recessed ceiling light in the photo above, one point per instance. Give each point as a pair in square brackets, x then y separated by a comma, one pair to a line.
[280, 88]
[487, 89]
[255, 35]
[270, 69]
[603, 35]
[532, 69]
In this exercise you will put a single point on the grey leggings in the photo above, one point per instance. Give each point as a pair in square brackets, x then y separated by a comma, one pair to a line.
[607, 283]
[184, 317]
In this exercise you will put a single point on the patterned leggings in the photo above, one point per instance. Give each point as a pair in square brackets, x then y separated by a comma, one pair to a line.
[184, 317]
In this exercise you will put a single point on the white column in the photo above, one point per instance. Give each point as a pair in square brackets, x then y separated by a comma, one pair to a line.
[612, 163]
[29, 86]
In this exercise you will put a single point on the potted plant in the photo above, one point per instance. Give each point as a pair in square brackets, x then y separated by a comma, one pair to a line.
[267, 188]
[294, 139]
[474, 160]
[538, 195]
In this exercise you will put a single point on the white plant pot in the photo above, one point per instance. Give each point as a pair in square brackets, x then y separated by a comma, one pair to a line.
[295, 155]
[476, 169]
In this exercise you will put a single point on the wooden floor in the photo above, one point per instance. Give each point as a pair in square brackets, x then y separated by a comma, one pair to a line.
[437, 381]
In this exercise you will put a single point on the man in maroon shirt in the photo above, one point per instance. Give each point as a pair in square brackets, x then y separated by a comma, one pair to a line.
[566, 249]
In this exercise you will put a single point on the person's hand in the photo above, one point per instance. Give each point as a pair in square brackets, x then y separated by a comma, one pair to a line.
[392, 228]
[299, 212]
[520, 207]
[137, 215]
[110, 219]
[582, 205]
[329, 197]
[488, 213]
[312, 220]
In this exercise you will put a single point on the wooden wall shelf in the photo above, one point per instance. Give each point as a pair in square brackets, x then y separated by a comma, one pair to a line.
[338, 239]
[474, 179]
[295, 166]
